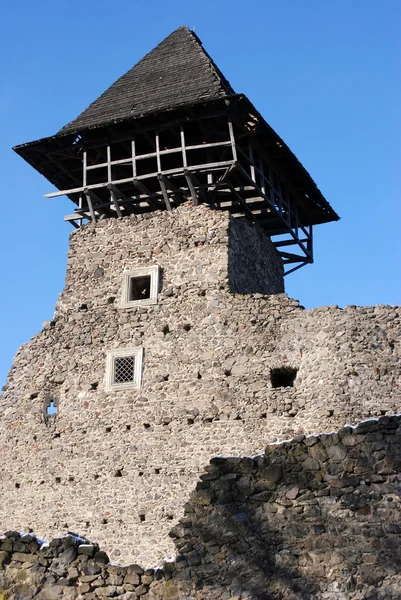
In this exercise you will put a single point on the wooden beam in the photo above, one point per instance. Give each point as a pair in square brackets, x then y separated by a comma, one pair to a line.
[183, 149]
[90, 205]
[194, 195]
[158, 160]
[149, 196]
[290, 257]
[74, 218]
[232, 140]
[108, 163]
[281, 243]
[115, 194]
[164, 192]
[196, 183]
[84, 165]
[133, 155]
[207, 167]
[241, 200]
[297, 267]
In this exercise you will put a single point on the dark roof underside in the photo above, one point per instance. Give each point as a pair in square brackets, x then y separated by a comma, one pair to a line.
[175, 82]
[177, 72]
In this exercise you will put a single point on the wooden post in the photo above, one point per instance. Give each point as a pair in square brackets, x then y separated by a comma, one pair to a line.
[133, 159]
[90, 205]
[262, 175]
[232, 139]
[183, 150]
[108, 164]
[84, 164]
[191, 187]
[252, 162]
[114, 199]
[159, 166]
[164, 192]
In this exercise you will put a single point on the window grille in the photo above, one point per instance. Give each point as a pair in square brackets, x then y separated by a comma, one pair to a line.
[123, 369]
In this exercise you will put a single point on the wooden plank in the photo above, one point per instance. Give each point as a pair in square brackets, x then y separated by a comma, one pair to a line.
[224, 176]
[232, 140]
[191, 187]
[133, 159]
[168, 183]
[262, 173]
[183, 150]
[252, 161]
[241, 200]
[84, 166]
[176, 171]
[290, 256]
[114, 194]
[158, 160]
[73, 217]
[141, 187]
[90, 205]
[164, 192]
[148, 196]
[298, 267]
[108, 163]
[281, 243]
[176, 150]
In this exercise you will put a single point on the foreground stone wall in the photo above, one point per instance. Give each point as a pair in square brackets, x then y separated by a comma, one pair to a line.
[316, 517]
[118, 466]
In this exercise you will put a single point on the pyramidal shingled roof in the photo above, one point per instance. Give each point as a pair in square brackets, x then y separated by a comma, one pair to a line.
[178, 72]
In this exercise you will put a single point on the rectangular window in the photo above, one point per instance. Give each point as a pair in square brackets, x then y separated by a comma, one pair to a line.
[123, 369]
[140, 287]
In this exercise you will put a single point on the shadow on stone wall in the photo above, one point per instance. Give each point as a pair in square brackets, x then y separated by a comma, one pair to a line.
[254, 266]
[316, 517]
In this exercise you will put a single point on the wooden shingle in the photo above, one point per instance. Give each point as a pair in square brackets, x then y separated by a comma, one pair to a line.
[178, 72]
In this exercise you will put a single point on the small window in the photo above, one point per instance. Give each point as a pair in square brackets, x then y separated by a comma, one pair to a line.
[140, 287]
[123, 369]
[51, 409]
[283, 377]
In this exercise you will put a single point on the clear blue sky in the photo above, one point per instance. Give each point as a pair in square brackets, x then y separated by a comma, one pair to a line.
[325, 74]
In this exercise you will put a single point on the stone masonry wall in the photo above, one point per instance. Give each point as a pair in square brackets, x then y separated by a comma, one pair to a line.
[314, 518]
[250, 267]
[118, 466]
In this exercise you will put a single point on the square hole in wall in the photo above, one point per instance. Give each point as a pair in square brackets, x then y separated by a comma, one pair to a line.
[283, 376]
[123, 369]
[140, 287]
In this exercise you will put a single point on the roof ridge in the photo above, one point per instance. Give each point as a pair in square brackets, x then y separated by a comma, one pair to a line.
[178, 71]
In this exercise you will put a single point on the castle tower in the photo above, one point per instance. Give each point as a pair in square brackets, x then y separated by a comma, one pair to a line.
[172, 340]
[173, 128]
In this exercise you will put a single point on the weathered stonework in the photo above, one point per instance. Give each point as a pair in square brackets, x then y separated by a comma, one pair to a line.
[117, 467]
[317, 517]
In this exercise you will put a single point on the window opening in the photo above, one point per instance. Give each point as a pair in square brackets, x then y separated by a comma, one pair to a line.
[283, 376]
[51, 409]
[140, 287]
[123, 369]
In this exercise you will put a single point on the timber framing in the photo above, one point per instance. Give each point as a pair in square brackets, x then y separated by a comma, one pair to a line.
[170, 129]
[221, 153]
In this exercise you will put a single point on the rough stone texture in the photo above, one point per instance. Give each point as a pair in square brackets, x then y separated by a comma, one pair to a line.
[251, 269]
[117, 467]
[299, 521]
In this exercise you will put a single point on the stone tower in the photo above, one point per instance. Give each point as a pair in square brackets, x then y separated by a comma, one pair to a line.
[173, 340]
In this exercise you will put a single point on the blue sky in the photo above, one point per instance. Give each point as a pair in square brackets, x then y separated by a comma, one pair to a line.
[324, 74]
